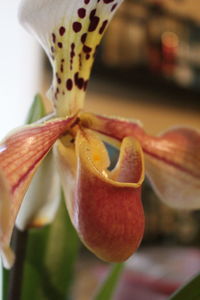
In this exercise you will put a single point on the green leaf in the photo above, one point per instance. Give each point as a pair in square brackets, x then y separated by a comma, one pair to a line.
[37, 110]
[5, 279]
[50, 260]
[190, 291]
[34, 268]
[109, 285]
[63, 248]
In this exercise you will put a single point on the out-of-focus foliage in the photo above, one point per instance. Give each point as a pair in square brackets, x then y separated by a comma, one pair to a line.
[189, 291]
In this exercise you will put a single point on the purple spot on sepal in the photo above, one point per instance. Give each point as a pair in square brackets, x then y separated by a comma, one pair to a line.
[69, 84]
[83, 38]
[101, 30]
[62, 30]
[108, 1]
[93, 24]
[81, 13]
[53, 37]
[87, 49]
[77, 26]
[114, 6]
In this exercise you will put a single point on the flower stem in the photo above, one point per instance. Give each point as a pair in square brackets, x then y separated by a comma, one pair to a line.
[16, 274]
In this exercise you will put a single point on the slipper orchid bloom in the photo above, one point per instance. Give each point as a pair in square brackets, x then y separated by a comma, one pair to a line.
[104, 205]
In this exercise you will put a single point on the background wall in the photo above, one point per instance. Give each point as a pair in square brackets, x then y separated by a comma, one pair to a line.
[19, 68]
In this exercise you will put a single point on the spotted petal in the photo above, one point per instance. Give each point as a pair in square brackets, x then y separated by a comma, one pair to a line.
[20, 155]
[69, 31]
[105, 207]
[172, 159]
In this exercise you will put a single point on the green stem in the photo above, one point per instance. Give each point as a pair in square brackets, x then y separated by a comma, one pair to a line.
[108, 287]
[16, 274]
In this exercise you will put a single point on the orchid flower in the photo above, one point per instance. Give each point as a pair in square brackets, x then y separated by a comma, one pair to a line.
[104, 205]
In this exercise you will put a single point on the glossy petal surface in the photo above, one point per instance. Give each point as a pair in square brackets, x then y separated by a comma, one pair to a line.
[105, 207]
[172, 159]
[69, 31]
[20, 155]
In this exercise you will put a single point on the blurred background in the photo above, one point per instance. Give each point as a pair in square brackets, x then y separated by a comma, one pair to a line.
[147, 68]
[20, 68]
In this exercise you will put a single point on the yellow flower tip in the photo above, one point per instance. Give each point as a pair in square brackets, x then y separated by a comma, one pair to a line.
[7, 256]
[37, 223]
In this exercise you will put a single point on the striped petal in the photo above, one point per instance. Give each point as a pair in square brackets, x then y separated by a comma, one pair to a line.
[69, 31]
[20, 155]
[173, 167]
[105, 207]
[114, 127]
[5, 205]
[172, 159]
[42, 198]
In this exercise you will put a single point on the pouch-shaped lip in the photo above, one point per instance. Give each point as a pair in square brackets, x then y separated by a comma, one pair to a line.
[107, 212]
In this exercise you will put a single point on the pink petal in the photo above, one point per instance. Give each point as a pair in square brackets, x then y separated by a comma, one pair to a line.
[114, 127]
[20, 155]
[173, 167]
[172, 160]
